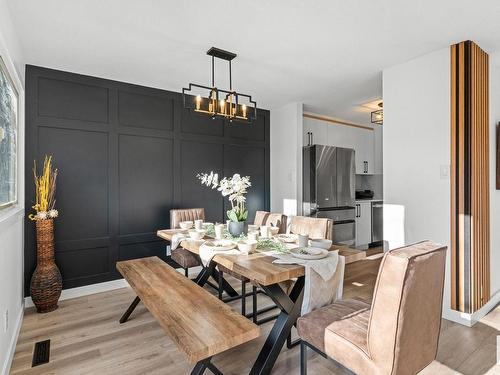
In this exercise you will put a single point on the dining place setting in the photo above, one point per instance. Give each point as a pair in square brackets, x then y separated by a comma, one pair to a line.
[291, 262]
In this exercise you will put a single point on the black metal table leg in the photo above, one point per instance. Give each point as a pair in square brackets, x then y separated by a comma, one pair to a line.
[290, 306]
[202, 365]
[207, 271]
[226, 287]
[130, 309]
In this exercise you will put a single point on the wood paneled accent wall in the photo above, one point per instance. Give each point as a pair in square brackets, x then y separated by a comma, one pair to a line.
[126, 155]
[470, 204]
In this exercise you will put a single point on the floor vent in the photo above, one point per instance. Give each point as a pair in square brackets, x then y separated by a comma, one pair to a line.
[41, 353]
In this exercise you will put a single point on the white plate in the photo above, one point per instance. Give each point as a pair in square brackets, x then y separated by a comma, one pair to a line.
[288, 238]
[220, 245]
[312, 253]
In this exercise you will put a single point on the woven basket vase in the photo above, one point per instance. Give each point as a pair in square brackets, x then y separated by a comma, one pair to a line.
[46, 282]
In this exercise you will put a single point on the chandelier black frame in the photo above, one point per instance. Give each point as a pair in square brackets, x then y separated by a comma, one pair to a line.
[220, 103]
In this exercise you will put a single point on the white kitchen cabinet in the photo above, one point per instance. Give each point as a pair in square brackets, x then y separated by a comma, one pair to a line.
[361, 140]
[364, 142]
[318, 130]
[363, 223]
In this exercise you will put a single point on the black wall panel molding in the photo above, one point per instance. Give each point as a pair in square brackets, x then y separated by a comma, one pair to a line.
[126, 155]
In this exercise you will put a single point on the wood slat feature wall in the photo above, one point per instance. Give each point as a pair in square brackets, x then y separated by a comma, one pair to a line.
[470, 203]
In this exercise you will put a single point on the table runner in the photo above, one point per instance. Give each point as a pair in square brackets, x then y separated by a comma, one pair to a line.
[323, 279]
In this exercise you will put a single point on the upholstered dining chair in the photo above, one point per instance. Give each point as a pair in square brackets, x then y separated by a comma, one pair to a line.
[317, 228]
[269, 218]
[398, 334]
[183, 257]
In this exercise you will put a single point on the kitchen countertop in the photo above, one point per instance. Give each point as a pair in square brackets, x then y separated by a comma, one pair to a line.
[369, 200]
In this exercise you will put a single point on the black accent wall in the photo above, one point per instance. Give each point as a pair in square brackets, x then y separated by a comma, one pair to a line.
[126, 155]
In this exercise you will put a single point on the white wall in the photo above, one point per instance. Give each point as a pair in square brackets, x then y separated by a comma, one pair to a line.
[494, 194]
[416, 144]
[286, 159]
[11, 219]
[417, 155]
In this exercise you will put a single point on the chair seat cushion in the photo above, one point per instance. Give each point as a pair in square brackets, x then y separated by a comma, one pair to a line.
[347, 317]
[184, 258]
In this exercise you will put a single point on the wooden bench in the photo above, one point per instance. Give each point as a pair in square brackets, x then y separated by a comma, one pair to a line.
[197, 322]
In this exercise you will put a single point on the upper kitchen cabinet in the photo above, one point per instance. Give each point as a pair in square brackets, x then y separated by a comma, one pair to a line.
[331, 134]
[315, 132]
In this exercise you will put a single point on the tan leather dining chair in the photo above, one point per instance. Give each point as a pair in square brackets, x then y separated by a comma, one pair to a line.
[269, 218]
[317, 228]
[183, 257]
[398, 334]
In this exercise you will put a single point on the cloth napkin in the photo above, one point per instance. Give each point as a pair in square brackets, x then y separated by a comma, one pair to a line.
[206, 253]
[176, 240]
[323, 279]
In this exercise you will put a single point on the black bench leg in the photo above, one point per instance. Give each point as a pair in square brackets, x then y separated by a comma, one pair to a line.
[130, 309]
[303, 358]
[201, 366]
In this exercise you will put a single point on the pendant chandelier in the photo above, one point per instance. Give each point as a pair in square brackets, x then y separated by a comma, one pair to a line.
[219, 103]
[377, 117]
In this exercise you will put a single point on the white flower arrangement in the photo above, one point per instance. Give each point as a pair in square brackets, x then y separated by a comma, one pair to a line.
[234, 188]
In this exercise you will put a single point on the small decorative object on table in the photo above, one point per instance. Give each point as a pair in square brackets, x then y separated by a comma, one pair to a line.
[235, 189]
[46, 281]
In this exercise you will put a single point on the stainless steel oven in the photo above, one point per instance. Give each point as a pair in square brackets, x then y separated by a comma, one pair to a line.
[377, 223]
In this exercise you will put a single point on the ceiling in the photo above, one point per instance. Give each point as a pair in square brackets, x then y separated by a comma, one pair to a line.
[328, 54]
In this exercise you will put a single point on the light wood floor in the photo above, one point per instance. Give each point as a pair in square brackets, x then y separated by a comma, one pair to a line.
[86, 338]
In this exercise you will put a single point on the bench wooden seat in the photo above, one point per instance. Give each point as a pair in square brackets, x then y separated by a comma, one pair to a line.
[197, 322]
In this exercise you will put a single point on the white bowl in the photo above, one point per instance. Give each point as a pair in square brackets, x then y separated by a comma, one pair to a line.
[197, 234]
[274, 230]
[186, 224]
[247, 246]
[321, 243]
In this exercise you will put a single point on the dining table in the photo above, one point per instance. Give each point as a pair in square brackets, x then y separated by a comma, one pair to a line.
[259, 269]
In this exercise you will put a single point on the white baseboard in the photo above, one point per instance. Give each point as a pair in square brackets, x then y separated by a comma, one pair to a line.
[470, 319]
[85, 290]
[12, 346]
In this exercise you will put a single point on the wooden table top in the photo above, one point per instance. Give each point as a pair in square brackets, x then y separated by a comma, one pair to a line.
[197, 322]
[256, 267]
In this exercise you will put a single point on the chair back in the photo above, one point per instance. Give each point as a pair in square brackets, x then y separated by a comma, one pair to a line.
[405, 318]
[268, 218]
[188, 214]
[317, 228]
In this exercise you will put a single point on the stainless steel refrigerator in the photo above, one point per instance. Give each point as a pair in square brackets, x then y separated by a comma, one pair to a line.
[329, 188]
